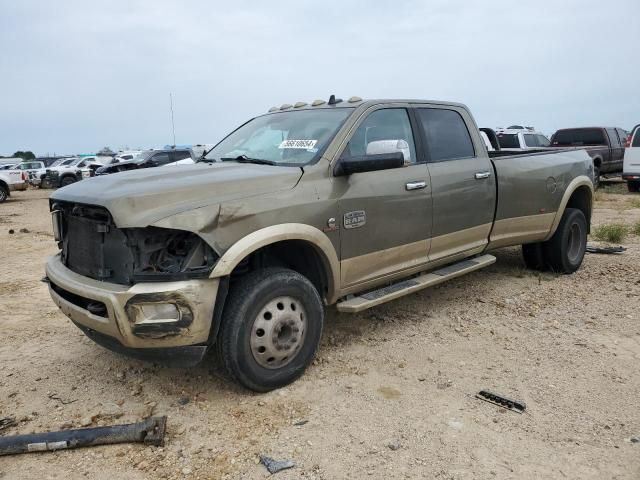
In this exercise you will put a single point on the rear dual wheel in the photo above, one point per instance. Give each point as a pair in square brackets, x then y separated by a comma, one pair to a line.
[272, 323]
[564, 251]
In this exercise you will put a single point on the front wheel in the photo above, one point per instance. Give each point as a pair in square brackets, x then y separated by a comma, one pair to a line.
[596, 177]
[4, 193]
[68, 180]
[272, 323]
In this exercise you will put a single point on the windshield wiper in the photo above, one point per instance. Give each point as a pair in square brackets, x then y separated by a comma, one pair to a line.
[245, 159]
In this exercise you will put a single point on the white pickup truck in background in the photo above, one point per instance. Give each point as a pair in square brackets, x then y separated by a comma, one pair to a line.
[631, 164]
[11, 180]
[521, 138]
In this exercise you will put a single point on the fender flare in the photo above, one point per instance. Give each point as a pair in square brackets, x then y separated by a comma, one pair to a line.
[277, 233]
[576, 183]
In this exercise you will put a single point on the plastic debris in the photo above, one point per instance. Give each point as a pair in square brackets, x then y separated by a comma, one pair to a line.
[605, 250]
[274, 466]
[504, 402]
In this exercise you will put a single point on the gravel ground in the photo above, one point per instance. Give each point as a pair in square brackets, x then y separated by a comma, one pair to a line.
[390, 395]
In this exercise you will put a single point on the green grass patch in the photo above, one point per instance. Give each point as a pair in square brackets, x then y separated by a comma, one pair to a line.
[636, 229]
[612, 233]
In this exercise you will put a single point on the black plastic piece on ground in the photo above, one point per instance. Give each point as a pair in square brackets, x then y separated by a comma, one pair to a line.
[504, 402]
[605, 250]
[175, 357]
[150, 432]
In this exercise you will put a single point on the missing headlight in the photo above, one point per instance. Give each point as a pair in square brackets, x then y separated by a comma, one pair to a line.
[169, 253]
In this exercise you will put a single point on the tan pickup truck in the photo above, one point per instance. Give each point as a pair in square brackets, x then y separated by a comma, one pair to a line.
[346, 203]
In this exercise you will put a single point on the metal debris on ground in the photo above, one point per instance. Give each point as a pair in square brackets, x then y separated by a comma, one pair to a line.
[7, 422]
[274, 466]
[605, 250]
[150, 432]
[504, 402]
[300, 423]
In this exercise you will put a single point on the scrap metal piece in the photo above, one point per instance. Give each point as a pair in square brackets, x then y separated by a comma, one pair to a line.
[150, 432]
[605, 250]
[274, 466]
[504, 402]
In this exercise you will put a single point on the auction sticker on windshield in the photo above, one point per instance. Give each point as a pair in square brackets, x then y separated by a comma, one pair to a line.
[305, 144]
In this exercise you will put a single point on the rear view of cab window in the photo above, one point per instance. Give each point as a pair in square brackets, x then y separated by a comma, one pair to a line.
[578, 137]
[508, 140]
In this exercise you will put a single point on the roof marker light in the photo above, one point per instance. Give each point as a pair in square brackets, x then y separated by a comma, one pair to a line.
[299, 104]
[318, 102]
[354, 99]
[273, 109]
[285, 106]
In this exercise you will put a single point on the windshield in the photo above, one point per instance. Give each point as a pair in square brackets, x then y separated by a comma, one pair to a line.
[287, 138]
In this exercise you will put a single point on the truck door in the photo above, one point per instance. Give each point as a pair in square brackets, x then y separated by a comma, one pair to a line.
[463, 185]
[385, 215]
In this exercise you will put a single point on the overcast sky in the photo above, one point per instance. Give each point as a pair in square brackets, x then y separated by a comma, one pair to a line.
[79, 75]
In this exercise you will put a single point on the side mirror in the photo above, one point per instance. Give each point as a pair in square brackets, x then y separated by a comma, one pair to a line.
[382, 147]
[368, 163]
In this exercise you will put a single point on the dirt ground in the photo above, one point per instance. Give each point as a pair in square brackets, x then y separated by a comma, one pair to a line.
[390, 395]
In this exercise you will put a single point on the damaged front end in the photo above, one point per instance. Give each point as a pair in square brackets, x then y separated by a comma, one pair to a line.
[92, 245]
[143, 286]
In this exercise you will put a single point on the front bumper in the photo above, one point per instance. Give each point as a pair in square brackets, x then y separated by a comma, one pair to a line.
[109, 313]
[18, 186]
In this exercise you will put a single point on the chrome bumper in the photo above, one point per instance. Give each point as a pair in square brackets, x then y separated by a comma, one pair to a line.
[115, 308]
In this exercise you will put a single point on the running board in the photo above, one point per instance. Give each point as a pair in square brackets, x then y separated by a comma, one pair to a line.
[405, 287]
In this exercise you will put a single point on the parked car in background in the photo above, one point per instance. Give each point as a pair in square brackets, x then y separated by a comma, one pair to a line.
[11, 180]
[127, 155]
[8, 166]
[149, 159]
[35, 170]
[605, 145]
[520, 138]
[631, 164]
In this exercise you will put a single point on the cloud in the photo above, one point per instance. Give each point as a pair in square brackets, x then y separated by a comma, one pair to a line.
[77, 76]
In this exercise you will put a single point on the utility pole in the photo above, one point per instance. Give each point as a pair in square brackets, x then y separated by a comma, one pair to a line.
[173, 127]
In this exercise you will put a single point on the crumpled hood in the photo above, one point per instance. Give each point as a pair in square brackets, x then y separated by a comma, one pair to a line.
[139, 198]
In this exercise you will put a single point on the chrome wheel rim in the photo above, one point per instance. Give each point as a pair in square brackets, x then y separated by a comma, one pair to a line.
[278, 332]
[574, 247]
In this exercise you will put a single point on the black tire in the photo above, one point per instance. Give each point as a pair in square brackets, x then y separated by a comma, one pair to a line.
[247, 305]
[68, 180]
[596, 177]
[4, 193]
[633, 187]
[533, 255]
[565, 250]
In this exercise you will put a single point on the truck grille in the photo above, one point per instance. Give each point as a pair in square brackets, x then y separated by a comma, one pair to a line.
[92, 246]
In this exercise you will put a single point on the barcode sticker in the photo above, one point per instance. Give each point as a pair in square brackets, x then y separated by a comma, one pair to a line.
[304, 144]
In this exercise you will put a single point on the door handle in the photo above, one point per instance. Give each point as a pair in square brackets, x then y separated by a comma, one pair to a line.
[415, 185]
[482, 175]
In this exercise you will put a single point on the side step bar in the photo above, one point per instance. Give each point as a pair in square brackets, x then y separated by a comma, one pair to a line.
[405, 287]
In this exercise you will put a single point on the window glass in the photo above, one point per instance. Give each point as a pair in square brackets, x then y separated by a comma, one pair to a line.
[508, 140]
[542, 141]
[622, 135]
[292, 137]
[385, 130]
[447, 134]
[160, 158]
[636, 138]
[180, 155]
[613, 136]
[579, 137]
[531, 140]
